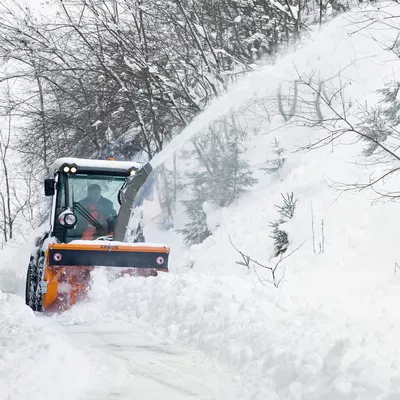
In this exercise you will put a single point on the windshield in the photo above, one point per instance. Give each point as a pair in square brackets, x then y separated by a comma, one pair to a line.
[94, 201]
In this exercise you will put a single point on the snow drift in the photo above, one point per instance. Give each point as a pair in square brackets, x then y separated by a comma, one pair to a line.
[35, 363]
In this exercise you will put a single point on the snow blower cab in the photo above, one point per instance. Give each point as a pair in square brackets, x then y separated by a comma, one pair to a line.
[91, 227]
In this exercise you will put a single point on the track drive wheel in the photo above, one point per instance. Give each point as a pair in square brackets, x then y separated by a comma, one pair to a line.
[33, 289]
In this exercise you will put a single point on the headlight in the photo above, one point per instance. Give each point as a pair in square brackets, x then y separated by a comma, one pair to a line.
[132, 172]
[66, 169]
[68, 219]
[73, 170]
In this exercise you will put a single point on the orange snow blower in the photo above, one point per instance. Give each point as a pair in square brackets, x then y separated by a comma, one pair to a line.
[91, 210]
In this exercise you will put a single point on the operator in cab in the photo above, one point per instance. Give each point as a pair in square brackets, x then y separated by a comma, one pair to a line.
[100, 214]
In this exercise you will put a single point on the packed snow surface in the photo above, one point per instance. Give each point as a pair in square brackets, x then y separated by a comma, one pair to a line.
[298, 343]
[328, 332]
[37, 364]
[45, 359]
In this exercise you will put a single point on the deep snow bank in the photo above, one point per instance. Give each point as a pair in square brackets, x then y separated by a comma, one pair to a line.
[14, 260]
[13, 267]
[36, 364]
[286, 344]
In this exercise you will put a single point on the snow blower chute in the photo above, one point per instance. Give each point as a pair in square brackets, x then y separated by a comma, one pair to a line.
[92, 204]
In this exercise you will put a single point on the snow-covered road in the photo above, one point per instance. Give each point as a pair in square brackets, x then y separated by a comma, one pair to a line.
[138, 366]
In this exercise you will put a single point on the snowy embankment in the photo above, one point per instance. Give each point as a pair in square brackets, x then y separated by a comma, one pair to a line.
[37, 364]
[287, 344]
[330, 330]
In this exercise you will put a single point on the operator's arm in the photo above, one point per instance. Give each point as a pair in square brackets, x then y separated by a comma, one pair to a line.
[108, 209]
[109, 214]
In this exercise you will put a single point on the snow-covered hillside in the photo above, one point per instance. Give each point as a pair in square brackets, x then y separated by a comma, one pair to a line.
[329, 331]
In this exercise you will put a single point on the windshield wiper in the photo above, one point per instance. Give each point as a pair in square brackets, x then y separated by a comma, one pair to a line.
[89, 217]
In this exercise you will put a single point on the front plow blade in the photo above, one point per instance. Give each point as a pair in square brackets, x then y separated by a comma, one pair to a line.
[67, 277]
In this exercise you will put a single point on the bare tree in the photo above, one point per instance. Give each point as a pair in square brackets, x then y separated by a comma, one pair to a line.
[366, 125]
[15, 198]
[121, 78]
[272, 267]
[293, 106]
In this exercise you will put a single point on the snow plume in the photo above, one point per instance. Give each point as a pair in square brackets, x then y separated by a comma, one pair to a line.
[347, 54]
[348, 51]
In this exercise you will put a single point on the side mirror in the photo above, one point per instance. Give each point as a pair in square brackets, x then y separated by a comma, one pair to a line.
[49, 187]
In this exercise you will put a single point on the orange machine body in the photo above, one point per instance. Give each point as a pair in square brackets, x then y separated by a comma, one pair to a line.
[68, 267]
